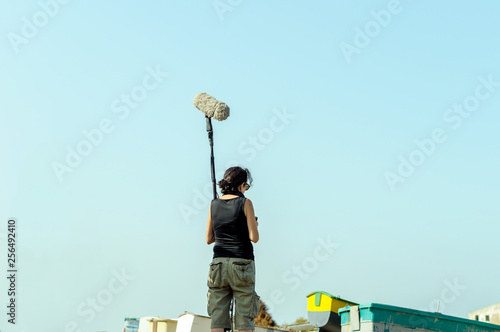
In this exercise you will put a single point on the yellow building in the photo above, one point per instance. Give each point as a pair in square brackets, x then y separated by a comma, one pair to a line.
[489, 314]
[323, 310]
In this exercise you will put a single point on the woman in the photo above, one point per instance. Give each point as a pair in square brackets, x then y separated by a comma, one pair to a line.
[233, 227]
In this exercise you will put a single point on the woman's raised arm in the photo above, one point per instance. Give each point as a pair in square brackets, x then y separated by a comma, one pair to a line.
[251, 222]
[210, 237]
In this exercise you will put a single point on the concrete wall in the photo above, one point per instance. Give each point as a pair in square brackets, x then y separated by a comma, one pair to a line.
[492, 313]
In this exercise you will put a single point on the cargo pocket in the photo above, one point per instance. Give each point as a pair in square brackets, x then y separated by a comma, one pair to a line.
[214, 275]
[210, 303]
[255, 306]
[244, 273]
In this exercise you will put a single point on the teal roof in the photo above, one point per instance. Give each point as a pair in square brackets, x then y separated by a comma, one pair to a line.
[429, 321]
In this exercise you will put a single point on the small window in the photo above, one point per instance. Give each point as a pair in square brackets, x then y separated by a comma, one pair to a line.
[487, 318]
[477, 317]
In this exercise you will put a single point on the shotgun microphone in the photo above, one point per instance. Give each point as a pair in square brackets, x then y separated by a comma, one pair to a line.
[211, 107]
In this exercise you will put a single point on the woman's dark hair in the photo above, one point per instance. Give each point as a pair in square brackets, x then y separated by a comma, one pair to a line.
[233, 178]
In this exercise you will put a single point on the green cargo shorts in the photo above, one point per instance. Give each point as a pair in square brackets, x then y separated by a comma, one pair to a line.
[228, 278]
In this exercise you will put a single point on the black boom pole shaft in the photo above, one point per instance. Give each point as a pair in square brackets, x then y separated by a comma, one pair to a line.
[212, 158]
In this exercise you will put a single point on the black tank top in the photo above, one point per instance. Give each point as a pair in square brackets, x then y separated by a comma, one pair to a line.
[230, 228]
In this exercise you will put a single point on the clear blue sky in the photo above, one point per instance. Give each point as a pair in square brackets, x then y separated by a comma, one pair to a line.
[371, 130]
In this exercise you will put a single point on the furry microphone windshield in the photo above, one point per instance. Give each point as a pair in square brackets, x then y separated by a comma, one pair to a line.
[211, 107]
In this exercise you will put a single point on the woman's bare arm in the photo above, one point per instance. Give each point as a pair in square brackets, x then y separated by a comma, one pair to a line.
[251, 222]
[210, 228]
